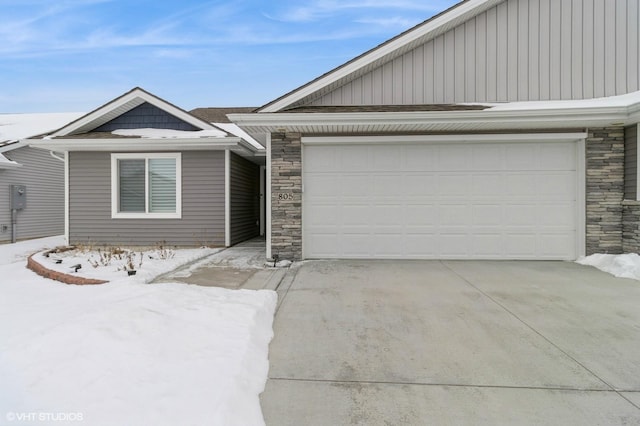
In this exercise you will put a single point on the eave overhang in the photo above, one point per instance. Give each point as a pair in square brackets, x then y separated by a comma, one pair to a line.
[497, 119]
[5, 163]
[144, 145]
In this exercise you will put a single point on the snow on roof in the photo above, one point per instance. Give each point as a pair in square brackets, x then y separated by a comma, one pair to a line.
[622, 101]
[14, 127]
[5, 163]
[170, 134]
[237, 131]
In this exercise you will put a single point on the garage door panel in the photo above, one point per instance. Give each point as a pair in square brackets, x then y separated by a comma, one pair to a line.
[387, 215]
[454, 157]
[487, 214]
[387, 245]
[351, 159]
[386, 159]
[453, 245]
[350, 185]
[557, 215]
[419, 158]
[421, 215]
[487, 185]
[489, 245]
[557, 185]
[521, 245]
[557, 157]
[322, 185]
[355, 245]
[488, 158]
[520, 185]
[421, 245]
[325, 244]
[521, 214]
[323, 161]
[483, 201]
[355, 215]
[454, 215]
[386, 185]
[521, 157]
[319, 214]
[553, 245]
[419, 185]
[454, 185]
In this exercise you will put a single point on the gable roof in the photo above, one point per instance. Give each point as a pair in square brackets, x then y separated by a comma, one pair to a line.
[115, 108]
[385, 52]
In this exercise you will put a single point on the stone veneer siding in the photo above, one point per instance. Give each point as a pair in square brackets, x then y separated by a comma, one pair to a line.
[631, 226]
[605, 189]
[286, 195]
[604, 195]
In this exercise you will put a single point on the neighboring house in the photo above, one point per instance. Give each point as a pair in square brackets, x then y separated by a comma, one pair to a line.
[141, 171]
[41, 173]
[498, 129]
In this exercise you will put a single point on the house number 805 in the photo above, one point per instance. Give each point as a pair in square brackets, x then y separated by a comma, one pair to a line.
[285, 196]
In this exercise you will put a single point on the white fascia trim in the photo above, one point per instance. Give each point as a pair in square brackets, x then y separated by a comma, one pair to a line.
[12, 146]
[135, 97]
[141, 144]
[470, 138]
[581, 191]
[66, 198]
[115, 214]
[268, 196]
[227, 198]
[573, 116]
[464, 10]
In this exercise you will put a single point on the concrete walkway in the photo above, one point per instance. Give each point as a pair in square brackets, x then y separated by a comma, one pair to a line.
[459, 343]
[239, 267]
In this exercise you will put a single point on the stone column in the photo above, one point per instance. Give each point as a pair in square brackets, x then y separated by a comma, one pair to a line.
[631, 226]
[605, 189]
[286, 195]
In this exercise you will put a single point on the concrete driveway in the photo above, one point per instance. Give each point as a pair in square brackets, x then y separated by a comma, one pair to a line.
[454, 342]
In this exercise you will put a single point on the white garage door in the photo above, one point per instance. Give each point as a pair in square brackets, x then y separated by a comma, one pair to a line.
[467, 201]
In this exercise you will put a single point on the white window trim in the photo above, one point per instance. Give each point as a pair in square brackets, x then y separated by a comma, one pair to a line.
[115, 190]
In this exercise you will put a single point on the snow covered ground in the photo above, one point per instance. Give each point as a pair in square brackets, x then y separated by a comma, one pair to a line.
[127, 352]
[105, 265]
[619, 265]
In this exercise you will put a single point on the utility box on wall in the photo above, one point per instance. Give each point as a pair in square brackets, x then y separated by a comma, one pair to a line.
[18, 197]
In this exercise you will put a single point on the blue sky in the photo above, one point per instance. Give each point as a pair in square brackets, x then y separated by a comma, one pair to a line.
[74, 55]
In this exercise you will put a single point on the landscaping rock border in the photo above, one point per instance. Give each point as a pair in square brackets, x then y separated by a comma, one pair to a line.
[59, 276]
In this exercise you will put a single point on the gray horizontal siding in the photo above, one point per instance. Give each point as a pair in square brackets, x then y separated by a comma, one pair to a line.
[245, 199]
[631, 163]
[519, 50]
[202, 219]
[44, 177]
[145, 116]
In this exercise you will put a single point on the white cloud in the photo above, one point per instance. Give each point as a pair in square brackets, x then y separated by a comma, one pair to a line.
[320, 9]
[391, 22]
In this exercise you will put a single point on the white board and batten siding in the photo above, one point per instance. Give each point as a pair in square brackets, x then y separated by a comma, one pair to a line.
[442, 200]
[518, 50]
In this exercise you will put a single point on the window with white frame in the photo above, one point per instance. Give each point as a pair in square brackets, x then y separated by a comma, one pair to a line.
[146, 185]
